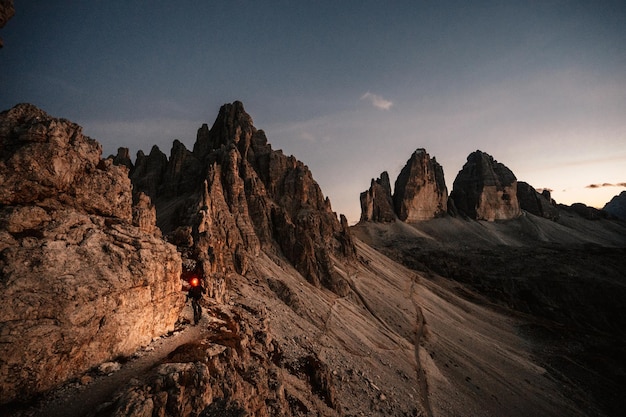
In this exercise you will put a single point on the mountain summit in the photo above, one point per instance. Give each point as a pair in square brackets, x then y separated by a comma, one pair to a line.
[485, 189]
[233, 196]
[420, 193]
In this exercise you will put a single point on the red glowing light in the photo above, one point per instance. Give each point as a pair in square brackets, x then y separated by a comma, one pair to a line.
[194, 282]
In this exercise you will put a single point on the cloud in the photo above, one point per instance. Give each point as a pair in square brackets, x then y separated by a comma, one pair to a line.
[377, 101]
[606, 184]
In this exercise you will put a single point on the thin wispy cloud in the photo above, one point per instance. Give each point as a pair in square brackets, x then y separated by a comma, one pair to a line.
[377, 101]
[606, 184]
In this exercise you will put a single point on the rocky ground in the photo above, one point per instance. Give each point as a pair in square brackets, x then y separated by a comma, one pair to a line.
[402, 343]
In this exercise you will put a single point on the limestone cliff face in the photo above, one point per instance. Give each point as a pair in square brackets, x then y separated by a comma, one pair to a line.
[485, 189]
[420, 191]
[538, 204]
[377, 203]
[84, 276]
[233, 196]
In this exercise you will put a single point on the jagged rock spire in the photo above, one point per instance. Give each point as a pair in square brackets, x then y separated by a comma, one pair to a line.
[420, 191]
[376, 203]
[244, 197]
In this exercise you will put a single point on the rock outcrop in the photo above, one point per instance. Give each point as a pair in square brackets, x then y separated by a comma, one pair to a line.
[617, 206]
[377, 203]
[485, 189]
[541, 205]
[420, 191]
[233, 196]
[84, 277]
[237, 370]
[123, 158]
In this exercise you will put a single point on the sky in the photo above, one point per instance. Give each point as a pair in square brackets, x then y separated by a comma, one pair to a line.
[351, 88]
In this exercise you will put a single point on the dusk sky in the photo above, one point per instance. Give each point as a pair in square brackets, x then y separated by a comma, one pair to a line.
[351, 88]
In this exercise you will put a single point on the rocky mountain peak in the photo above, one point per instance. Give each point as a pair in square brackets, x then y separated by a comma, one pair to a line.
[376, 203]
[233, 126]
[538, 204]
[420, 191]
[234, 196]
[617, 206]
[485, 189]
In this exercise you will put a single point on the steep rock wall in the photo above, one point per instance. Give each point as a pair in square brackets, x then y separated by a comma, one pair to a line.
[538, 204]
[84, 275]
[485, 189]
[420, 191]
[376, 203]
[240, 197]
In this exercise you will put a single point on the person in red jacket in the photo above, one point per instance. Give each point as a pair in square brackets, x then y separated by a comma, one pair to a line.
[195, 293]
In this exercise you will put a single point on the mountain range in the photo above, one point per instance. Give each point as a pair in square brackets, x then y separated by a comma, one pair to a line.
[490, 300]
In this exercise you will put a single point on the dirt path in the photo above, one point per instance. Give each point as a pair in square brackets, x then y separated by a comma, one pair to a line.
[75, 400]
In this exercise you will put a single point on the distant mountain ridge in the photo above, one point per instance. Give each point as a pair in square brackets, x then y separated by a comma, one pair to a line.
[617, 206]
[484, 189]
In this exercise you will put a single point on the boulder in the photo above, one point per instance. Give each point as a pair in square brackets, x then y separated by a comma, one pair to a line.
[485, 189]
[80, 283]
[420, 191]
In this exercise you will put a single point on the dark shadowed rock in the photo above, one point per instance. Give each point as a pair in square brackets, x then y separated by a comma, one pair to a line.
[617, 206]
[147, 176]
[420, 191]
[485, 189]
[240, 197]
[182, 173]
[535, 203]
[123, 158]
[84, 277]
[584, 211]
[376, 203]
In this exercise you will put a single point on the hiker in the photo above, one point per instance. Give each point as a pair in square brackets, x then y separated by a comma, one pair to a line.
[195, 293]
